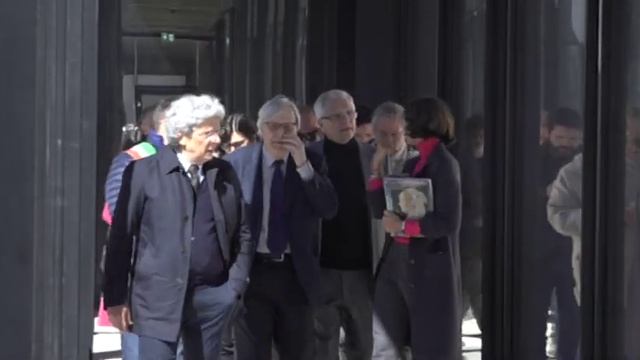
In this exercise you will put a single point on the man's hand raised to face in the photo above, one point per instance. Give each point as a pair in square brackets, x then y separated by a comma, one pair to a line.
[295, 146]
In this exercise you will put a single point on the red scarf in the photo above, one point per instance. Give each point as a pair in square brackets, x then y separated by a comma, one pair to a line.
[425, 148]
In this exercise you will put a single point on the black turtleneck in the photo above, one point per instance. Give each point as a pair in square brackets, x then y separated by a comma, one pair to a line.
[346, 238]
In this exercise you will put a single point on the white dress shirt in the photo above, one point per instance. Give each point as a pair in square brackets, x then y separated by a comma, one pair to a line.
[306, 173]
[186, 164]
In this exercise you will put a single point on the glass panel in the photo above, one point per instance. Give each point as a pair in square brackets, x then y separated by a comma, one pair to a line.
[627, 287]
[547, 130]
[467, 103]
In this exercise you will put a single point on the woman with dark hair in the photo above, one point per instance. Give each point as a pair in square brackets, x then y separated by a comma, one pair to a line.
[241, 130]
[418, 296]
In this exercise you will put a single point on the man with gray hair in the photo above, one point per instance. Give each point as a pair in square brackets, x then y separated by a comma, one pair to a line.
[391, 147]
[391, 154]
[388, 128]
[345, 257]
[288, 193]
[192, 252]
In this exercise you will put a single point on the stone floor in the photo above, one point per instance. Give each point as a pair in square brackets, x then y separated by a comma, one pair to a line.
[107, 339]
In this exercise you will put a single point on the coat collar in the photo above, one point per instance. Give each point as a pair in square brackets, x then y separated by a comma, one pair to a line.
[168, 160]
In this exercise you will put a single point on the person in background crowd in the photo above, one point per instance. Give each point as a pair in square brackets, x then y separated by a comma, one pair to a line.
[364, 128]
[388, 127]
[418, 295]
[346, 253]
[309, 129]
[193, 249]
[132, 134]
[548, 259]
[564, 212]
[288, 193]
[242, 131]
[156, 139]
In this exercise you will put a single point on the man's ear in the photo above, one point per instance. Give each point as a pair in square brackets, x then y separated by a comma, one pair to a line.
[182, 138]
[321, 125]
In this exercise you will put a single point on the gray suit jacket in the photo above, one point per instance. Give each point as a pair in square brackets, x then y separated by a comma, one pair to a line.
[307, 202]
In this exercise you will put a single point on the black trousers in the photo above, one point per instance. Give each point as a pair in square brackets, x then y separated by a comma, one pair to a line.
[276, 311]
[206, 312]
[346, 303]
[471, 264]
[542, 277]
[471, 267]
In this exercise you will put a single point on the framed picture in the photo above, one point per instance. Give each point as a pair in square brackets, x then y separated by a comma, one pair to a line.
[411, 198]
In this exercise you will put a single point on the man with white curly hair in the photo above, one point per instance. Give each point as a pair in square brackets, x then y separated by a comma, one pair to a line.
[192, 252]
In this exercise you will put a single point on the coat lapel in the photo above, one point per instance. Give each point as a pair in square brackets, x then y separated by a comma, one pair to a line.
[250, 164]
[218, 211]
[366, 154]
[257, 195]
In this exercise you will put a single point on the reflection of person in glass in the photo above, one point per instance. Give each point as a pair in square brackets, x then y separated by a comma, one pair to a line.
[548, 259]
[413, 203]
[564, 211]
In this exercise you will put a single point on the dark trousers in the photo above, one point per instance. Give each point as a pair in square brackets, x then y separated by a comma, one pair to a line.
[414, 308]
[205, 314]
[391, 306]
[228, 342]
[129, 343]
[276, 311]
[471, 269]
[472, 285]
[346, 303]
[542, 277]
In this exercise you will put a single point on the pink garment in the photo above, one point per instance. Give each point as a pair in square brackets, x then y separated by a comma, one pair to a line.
[103, 317]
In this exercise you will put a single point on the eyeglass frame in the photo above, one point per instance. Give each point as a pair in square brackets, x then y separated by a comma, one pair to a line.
[287, 128]
[349, 115]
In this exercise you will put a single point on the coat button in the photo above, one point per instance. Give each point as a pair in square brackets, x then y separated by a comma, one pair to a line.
[412, 262]
[193, 238]
[185, 218]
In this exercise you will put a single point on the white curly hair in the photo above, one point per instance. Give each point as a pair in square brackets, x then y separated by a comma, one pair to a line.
[188, 112]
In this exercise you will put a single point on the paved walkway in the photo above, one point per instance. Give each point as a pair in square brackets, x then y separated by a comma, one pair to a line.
[107, 339]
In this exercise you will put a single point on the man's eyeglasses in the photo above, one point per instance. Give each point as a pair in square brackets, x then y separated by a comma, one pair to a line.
[287, 128]
[209, 133]
[348, 115]
[310, 136]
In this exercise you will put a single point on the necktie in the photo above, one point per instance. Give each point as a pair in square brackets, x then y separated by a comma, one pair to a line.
[194, 176]
[277, 235]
